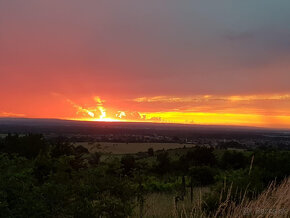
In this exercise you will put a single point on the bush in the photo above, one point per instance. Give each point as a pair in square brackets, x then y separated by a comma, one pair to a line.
[202, 176]
[153, 184]
[234, 160]
[163, 163]
[128, 164]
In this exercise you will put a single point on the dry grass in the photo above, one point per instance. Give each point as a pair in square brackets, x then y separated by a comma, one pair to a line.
[273, 202]
[164, 205]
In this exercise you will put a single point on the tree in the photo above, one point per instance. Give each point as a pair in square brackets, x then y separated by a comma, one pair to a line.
[28, 146]
[233, 160]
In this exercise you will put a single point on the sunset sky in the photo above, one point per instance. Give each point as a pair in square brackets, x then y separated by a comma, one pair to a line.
[197, 62]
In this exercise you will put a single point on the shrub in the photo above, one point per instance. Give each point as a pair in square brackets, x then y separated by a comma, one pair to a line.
[202, 176]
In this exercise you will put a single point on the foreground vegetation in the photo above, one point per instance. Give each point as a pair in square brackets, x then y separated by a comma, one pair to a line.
[41, 178]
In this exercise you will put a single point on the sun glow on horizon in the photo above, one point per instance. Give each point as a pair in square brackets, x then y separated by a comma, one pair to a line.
[205, 119]
[231, 114]
[240, 110]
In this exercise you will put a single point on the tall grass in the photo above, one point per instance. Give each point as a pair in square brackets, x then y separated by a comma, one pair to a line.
[165, 205]
[272, 202]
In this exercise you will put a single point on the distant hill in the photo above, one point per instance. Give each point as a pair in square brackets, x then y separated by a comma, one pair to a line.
[27, 125]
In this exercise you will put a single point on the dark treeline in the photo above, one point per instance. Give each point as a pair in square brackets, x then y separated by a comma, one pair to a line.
[52, 178]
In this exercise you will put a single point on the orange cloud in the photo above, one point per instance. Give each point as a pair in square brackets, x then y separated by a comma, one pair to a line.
[8, 114]
[81, 110]
[172, 99]
[130, 116]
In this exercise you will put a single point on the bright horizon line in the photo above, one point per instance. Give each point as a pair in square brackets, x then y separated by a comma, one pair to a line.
[147, 121]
